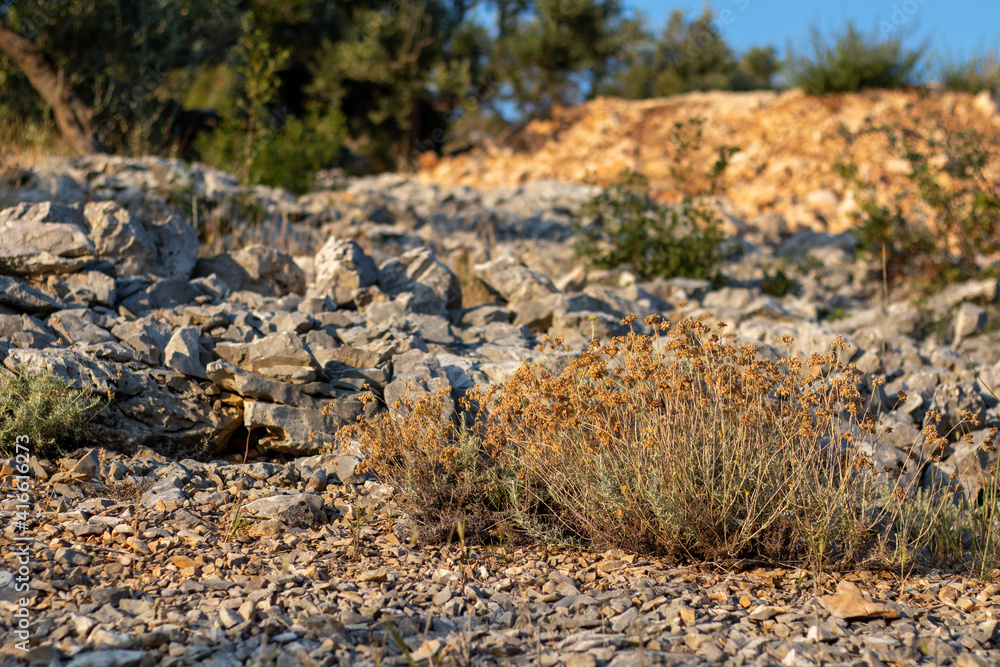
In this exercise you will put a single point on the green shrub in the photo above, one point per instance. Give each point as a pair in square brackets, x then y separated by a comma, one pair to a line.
[853, 62]
[47, 409]
[973, 76]
[629, 228]
[624, 225]
[958, 217]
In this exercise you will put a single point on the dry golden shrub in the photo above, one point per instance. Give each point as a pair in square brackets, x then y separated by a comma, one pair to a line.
[685, 444]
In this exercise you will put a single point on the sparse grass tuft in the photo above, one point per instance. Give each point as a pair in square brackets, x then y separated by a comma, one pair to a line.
[44, 407]
[127, 490]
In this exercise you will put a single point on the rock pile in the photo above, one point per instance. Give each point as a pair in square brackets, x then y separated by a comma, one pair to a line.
[263, 350]
[244, 349]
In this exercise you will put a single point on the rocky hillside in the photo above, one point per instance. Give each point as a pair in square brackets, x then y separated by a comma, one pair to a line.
[788, 143]
[102, 281]
[260, 339]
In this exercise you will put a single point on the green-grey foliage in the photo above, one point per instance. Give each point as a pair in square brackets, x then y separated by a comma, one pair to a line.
[44, 407]
[960, 217]
[625, 225]
[975, 75]
[852, 62]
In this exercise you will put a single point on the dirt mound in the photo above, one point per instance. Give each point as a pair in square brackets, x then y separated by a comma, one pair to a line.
[788, 145]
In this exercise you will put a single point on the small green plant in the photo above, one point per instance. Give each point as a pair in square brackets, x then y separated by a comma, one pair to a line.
[838, 313]
[625, 225]
[390, 631]
[51, 411]
[853, 62]
[956, 217]
[973, 76]
[359, 520]
[238, 523]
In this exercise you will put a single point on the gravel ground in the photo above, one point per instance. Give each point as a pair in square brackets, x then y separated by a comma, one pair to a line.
[320, 572]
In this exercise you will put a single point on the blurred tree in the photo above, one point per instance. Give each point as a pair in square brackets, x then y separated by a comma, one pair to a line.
[554, 52]
[72, 115]
[397, 73]
[689, 55]
[115, 57]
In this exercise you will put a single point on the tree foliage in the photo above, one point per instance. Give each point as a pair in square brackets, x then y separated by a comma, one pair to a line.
[853, 61]
[688, 55]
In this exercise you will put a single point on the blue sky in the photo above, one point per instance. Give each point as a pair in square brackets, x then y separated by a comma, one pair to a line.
[955, 28]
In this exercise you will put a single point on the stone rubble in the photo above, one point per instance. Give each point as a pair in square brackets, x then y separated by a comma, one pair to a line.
[260, 353]
[322, 571]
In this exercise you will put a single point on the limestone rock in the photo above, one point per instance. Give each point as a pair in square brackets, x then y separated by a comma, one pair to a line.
[300, 431]
[42, 238]
[513, 281]
[298, 509]
[258, 269]
[23, 297]
[969, 319]
[137, 247]
[148, 337]
[342, 269]
[850, 604]
[435, 288]
[86, 288]
[251, 385]
[183, 353]
[281, 356]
